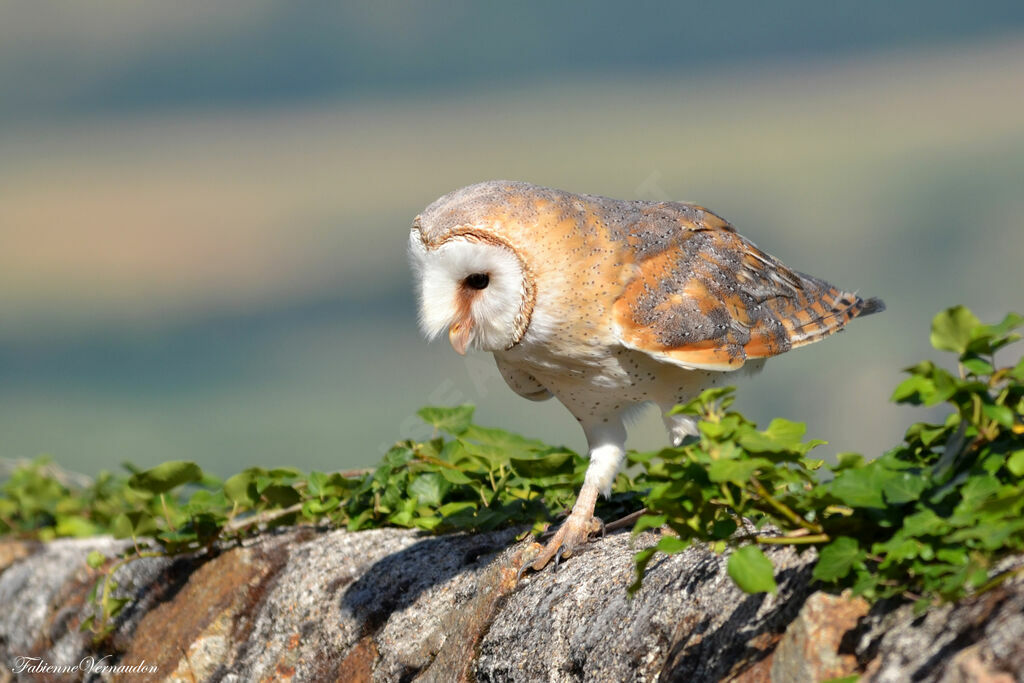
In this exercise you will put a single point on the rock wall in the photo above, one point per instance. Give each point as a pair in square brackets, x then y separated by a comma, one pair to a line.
[394, 605]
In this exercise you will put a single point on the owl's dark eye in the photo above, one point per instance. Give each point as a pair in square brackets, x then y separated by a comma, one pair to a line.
[478, 280]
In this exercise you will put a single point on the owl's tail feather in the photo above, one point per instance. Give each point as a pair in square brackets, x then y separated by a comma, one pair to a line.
[869, 306]
[829, 310]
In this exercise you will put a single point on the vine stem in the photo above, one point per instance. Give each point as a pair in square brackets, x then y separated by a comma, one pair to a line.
[352, 474]
[266, 516]
[626, 521]
[423, 457]
[8, 522]
[998, 579]
[167, 514]
[783, 509]
[109, 577]
[793, 540]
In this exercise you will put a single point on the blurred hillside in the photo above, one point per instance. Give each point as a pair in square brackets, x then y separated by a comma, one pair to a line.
[69, 58]
[203, 214]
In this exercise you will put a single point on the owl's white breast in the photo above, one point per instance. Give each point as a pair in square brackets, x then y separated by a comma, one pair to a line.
[613, 380]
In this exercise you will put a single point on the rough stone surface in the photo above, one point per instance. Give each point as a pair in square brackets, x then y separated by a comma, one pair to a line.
[687, 622]
[981, 639]
[393, 605]
[813, 647]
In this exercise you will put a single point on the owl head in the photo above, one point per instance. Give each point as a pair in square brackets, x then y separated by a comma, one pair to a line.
[471, 279]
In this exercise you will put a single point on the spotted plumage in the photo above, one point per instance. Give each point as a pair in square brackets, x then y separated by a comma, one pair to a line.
[608, 304]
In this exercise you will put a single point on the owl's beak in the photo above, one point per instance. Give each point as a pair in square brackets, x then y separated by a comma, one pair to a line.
[458, 335]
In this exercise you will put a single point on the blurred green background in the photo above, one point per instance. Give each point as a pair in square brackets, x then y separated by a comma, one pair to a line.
[204, 206]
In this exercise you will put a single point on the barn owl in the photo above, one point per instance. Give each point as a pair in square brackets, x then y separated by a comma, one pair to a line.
[608, 304]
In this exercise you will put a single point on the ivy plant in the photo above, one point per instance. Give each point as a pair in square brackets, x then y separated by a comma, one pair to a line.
[928, 520]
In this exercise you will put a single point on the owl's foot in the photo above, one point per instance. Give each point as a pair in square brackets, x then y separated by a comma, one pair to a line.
[573, 534]
[570, 537]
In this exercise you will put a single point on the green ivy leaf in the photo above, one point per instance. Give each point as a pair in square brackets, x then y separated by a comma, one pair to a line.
[1011, 322]
[500, 441]
[737, 471]
[977, 490]
[133, 523]
[1018, 371]
[492, 456]
[990, 338]
[1001, 414]
[316, 483]
[113, 606]
[915, 390]
[752, 570]
[781, 435]
[945, 387]
[723, 528]
[924, 523]
[428, 488]
[640, 562]
[313, 508]
[397, 457]
[897, 549]
[649, 522]
[719, 430]
[166, 476]
[837, 559]
[281, 495]
[241, 488]
[929, 434]
[454, 476]
[721, 396]
[952, 329]
[862, 487]
[852, 678]
[457, 507]
[76, 527]
[671, 545]
[558, 462]
[1015, 463]
[203, 500]
[427, 523]
[453, 420]
[95, 559]
[904, 487]
[846, 461]
[977, 365]
[284, 473]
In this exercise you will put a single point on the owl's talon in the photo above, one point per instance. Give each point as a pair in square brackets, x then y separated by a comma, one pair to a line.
[569, 538]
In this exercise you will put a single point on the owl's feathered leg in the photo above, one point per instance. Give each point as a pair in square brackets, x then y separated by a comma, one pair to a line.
[679, 426]
[607, 442]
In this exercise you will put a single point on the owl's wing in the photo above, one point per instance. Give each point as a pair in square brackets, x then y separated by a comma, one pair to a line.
[711, 300]
[522, 382]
